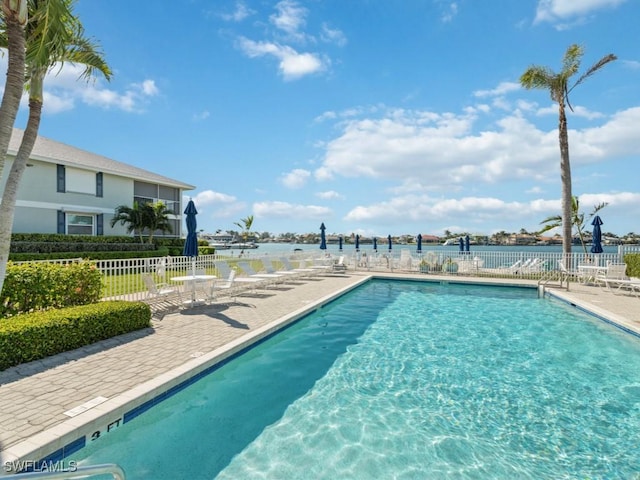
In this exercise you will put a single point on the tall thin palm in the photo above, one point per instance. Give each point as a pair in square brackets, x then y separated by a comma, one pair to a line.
[54, 35]
[558, 85]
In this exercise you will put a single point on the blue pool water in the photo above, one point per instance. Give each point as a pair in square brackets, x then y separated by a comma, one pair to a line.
[405, 380]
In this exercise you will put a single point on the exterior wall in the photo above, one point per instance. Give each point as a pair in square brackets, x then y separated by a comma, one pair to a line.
[39, 201]
[34, 220]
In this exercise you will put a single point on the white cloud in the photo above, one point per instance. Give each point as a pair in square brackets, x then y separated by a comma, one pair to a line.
[330, 195]
[332, 35]
[286, 210]
[555, 11]
[210, 197]
[63, 91]
[577, 111]
[296, 178]
[290, 16]
[444, 151]
[450, 12]
[502, 89]
[63, 87]
[473, 214]
[292, 64]
[240, 13]
[147, 88]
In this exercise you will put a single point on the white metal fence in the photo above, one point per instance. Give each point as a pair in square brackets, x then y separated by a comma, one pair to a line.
[123, 278]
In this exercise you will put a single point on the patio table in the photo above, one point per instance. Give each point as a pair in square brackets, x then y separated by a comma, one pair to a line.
[193, 280]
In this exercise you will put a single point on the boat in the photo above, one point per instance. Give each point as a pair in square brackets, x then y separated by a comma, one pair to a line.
[220, 246]
[244, 246]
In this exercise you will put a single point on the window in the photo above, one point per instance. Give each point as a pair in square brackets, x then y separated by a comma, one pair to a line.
[79, 224]
[80, 181]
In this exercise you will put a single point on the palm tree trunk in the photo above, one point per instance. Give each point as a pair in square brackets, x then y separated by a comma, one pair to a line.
[14, 85]
[13, 182]
[565, 176]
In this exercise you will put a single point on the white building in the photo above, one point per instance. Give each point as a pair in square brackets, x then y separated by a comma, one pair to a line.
[71, 191]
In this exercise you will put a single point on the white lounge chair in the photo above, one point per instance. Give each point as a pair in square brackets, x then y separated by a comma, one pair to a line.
[225, 270]
[533, 265]
[570, 273]
[269, 268]
[339, 266]
[303, 271]
[270, 277]
[615, 279]
[159, 294]
[226, 287]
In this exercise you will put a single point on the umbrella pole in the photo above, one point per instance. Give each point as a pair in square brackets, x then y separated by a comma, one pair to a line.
[193, 284]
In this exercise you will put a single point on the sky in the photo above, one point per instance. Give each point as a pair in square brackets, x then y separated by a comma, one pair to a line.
[373, 117]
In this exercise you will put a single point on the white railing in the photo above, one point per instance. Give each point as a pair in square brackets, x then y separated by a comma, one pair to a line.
[515, 263]
[123, 277]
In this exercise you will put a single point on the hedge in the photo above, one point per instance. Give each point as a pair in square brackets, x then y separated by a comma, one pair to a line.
[40, 286]
[48, 247]
[37, 335]
[633, 264]
[112, 255]
[60, 238]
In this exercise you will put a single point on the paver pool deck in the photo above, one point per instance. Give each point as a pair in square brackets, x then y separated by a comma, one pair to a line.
[46, 404]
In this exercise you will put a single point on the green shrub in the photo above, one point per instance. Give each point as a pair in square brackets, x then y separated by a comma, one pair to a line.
[206, 250]
[61, 238]
[48, 247]
[633, 264]
[112, 255]
[33, 336]
[37, 286]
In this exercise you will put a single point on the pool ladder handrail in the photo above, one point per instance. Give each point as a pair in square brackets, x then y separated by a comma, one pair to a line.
[81, 472]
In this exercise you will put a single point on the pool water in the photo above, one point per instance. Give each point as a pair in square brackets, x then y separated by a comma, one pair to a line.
[405, 380]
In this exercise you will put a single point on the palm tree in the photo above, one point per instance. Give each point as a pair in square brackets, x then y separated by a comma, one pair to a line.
[577, 220]
[53, 36]
[14, 15]
[156, 218]
[245, 224]
[132, 217]
[558, 86]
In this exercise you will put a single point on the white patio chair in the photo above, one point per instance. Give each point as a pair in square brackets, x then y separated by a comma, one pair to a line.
[303, 271]
[272, 278]
[269, 268]
[161, 293]
[224, 271]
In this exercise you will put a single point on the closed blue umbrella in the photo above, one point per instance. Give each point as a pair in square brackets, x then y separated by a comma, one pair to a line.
[190, 248]
[340, 243]
[461, 244]
[357, 243]
[323, 239]
[375, 244]
[466, 243]
[419, 243]
[596, 247]
[389, 241]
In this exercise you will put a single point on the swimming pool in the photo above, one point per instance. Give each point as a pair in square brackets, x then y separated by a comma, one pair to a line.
[405, 380]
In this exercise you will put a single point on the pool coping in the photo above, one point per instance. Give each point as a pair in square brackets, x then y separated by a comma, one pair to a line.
[63, 439]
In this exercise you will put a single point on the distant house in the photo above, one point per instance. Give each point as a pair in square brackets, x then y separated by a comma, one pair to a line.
[71, 191]
[429, 239]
